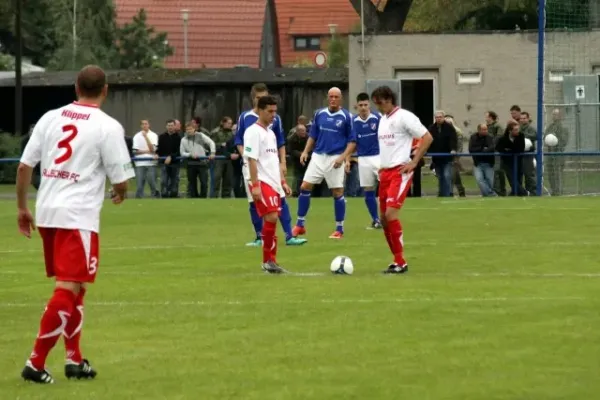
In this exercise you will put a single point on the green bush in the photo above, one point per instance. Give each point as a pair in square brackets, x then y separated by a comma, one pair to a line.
[10, 147]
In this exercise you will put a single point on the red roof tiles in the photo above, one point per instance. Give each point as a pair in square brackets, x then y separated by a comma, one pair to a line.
[221, 33]
[310, 18]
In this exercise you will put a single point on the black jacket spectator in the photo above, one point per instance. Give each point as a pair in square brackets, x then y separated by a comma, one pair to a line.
[445, 140]
[510, 145]
[168, 145]
[482, 144]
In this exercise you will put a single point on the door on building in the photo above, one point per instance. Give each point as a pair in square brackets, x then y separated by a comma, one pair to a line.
[418, 93]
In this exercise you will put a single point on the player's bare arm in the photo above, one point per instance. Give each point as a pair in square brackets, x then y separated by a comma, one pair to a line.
[254, 183]
[24, 218]
[426, 141]
[350, 147]
[282, 162]
[310, 144]
[119, 191]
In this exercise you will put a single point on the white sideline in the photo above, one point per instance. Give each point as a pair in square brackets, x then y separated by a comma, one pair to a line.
[308, 301]
[192, 272]
[323, 244]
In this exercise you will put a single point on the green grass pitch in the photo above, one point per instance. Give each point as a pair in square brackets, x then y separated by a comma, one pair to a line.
[501, 302]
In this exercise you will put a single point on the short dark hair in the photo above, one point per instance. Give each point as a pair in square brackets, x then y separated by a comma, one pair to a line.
[91, 81]
[258, 88]
[515, 108]
[266, 101]
[384, 93]
[362, 97]
[526, 113]
[170, 121]
[493, 115]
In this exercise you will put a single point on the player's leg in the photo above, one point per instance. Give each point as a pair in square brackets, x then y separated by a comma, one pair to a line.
[268, 209]
[72, 259]
[367, 175]
[396, 194]
[335, 181]
[255, 218]
[313, 176]
[285, 218]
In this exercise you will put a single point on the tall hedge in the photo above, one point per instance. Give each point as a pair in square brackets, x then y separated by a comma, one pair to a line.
[10, 147]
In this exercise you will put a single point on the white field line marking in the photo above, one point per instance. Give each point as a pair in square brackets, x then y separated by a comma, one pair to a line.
[158, 271]
[323, 244]
[308, 301]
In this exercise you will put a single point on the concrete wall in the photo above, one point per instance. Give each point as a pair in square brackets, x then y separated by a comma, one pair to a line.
[508, 62]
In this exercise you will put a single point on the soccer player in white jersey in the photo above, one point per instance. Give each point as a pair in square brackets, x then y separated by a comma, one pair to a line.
[266, 183]
[77, 146]
[397, 129]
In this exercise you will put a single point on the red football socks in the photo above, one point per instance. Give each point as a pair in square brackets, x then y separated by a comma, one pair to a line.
[53, 323]
[395, 241]
[73, 330]
[269, 241]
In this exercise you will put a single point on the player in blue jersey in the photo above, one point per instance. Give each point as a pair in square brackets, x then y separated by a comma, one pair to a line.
[247, 119]
[332, 137]
[365, 126]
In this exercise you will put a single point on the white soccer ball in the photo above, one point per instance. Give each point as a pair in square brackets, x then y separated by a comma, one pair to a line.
[342, 265]
[551, 140]
[528, 144]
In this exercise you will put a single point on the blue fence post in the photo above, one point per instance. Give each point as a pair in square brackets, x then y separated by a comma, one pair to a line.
[211, 169]
[540, 96]
[514, 177]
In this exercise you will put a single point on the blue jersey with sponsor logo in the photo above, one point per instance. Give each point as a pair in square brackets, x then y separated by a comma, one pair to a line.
[332, 131]
[367, 143]
[249, 118]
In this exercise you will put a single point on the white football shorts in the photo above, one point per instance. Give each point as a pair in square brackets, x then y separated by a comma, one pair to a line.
[321, 167]
[368, 170]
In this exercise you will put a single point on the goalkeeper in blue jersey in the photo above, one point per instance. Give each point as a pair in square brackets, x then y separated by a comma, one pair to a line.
[247, 119]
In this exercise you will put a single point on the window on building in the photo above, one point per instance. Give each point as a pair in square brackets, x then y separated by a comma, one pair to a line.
[471, 77]
[307, 43]
[556, 75]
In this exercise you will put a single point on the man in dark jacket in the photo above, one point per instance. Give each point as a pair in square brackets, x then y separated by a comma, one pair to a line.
[223, 169]
[444, 141]
[482, 142]
[295, 147]
[555, 165]
[496, 132]
[513, 142]
[168, 147]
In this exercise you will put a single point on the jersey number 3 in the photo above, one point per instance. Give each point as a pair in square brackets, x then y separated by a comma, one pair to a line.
[66, 143]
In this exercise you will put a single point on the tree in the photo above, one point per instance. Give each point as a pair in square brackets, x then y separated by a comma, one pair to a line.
[337, 50]
[140, 46]
[387, 16]
[7, 62]
[94, 38]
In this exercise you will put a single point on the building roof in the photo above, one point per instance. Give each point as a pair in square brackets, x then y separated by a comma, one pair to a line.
[221, 34]
[198, 77]
[310, 18]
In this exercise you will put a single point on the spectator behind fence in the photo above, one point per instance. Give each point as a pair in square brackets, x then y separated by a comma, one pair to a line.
[223, 171]
[496, 132]
[193, 148]
[555, 165]
[36, 176]
[529, 172]
[302, 120]
[178, 128]
[456, 167]
[239, 190]
[415, 188]
[483, 142]
[513, 142]
[444, 141]
[145, 144]
[295, 147]
[169, 143]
